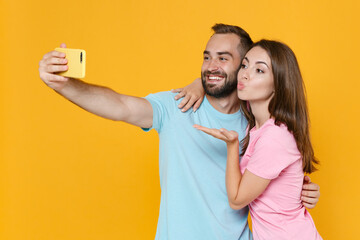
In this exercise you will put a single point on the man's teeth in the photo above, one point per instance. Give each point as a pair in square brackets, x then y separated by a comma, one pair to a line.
[215, 78]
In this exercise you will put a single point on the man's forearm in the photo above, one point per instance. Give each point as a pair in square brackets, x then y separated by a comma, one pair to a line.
[98, 100]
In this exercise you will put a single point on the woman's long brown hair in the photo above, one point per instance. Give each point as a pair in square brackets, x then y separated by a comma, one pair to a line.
[288, 105]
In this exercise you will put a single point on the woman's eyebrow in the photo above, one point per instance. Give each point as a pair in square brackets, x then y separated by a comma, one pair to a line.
[261, 62]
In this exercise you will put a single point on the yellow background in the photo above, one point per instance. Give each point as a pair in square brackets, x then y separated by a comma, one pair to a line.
[67, 174]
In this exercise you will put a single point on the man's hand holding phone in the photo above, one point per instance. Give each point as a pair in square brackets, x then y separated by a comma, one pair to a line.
[57, 66]
[54, 62]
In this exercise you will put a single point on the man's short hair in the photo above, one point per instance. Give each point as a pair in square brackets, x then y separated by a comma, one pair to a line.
[245, 40]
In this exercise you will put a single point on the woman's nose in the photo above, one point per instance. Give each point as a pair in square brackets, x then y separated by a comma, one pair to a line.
[243, 74]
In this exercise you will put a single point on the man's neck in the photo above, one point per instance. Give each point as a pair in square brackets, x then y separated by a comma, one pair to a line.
[228, 105]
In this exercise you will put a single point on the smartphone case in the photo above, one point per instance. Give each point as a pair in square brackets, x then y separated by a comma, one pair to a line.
[76, 62]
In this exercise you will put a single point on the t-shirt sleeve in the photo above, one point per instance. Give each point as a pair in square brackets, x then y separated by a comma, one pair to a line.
[273, 152]
[163, 104]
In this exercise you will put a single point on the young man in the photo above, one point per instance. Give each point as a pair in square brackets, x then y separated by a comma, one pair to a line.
[194, 202]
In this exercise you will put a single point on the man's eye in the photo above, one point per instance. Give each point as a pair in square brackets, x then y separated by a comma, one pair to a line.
[258, 70]
[206, 58]
[223, 59]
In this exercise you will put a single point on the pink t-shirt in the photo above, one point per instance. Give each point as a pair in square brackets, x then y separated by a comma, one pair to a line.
[278, 212]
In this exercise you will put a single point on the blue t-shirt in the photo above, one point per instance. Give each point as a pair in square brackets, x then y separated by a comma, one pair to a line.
[194, 203]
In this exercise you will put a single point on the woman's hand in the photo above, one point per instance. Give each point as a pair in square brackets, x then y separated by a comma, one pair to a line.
[193, 95]
[230, 137]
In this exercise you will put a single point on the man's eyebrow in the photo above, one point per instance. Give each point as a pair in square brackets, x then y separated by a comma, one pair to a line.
[224, 53]
[219, 53]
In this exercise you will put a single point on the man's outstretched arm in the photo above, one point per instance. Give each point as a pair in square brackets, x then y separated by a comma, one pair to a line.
[99, 100]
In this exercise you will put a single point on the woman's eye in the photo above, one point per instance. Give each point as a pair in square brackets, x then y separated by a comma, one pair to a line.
[206, 58]
[259, 70]
[243, 66]
[223, 59]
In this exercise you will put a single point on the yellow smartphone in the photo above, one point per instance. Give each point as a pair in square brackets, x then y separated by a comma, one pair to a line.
[76, 62]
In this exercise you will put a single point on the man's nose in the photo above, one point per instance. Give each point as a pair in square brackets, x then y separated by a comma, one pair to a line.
[213, 66]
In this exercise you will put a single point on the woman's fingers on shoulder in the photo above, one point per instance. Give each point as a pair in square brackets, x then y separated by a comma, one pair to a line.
[197, 104]
[180, 94]
[184, 102]
[177, 90]
[189, 104]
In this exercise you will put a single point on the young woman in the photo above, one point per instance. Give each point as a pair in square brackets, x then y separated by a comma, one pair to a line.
[277, 149]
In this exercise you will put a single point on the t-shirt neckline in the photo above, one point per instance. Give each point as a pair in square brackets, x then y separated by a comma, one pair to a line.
[208, 105]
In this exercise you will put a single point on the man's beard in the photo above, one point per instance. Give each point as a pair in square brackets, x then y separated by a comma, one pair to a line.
[225, 90]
